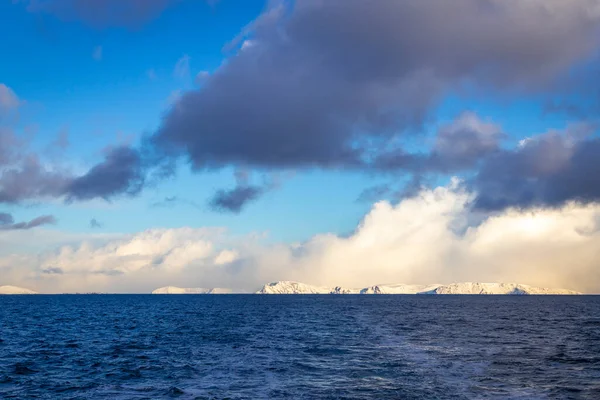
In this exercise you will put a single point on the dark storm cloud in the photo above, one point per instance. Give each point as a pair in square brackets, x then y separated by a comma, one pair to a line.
[22, 175]
[339, 84]
[26, 178]
[568, 109]
[121, 172]
[6, 219]
[323, 77]
[545, 171]
[53, 271]
[7, 222]
[235, 199]
[465, 141]
[102, 13]
[244, 192]
[459, 145]
[572, 110]
[30, 180]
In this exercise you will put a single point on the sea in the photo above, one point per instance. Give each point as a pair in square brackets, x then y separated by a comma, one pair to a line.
[299, 347]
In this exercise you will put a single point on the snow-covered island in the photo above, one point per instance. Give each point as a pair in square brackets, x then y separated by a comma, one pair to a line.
[468, 288]
[287, 287]
[178, 290]
[15, 290]
[498, 288]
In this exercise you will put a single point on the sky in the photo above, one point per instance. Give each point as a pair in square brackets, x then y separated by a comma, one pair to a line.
[229, 144]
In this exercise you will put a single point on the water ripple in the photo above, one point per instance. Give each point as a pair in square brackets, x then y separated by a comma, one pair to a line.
[299, 347]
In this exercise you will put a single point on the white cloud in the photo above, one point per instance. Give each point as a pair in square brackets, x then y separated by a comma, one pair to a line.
[246, 44]
[202, 76]
[182, 67]
[426, 239]
[97, 53]
[226, 257]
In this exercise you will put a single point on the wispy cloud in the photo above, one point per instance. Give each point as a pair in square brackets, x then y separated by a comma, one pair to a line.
[182, 67]
[151, 73]
[7, 222]
[97, 53]
[172, 201]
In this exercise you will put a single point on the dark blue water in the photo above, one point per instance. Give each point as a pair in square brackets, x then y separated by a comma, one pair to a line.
[299, 347]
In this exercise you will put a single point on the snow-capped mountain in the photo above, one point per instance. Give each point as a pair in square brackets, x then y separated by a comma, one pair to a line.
[398, 289]
[15, 290]
[178, 290]
[467, 288]
[287, 287]
[496, 288]
[341, 290]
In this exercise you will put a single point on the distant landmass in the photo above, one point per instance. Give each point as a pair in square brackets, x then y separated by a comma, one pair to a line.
[15, 290]
[469, 288]
[465, 288]
[178, 290]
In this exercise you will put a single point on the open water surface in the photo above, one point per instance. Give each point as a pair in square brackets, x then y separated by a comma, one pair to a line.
[299, 347]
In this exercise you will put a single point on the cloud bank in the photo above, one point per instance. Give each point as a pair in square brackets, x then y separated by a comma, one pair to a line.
[434, 237]
[545, 170]
[326, 84]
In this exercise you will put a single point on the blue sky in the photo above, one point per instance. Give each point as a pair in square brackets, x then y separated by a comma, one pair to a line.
[100, 102]
[122, 95]
[280, 116]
